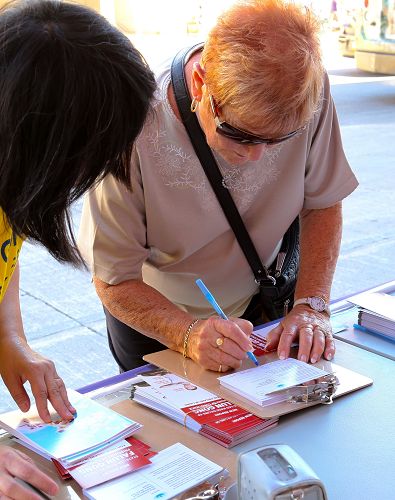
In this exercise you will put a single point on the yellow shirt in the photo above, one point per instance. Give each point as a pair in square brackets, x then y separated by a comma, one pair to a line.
[10, 246]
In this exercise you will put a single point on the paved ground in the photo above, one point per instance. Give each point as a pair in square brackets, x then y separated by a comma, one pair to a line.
[63, 317]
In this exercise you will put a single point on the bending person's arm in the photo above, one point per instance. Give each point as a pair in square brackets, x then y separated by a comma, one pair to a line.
[319, 250]
[143, 308]
[19, 363]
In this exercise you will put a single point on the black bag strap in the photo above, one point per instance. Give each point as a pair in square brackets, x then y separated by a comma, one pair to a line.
[206, 158]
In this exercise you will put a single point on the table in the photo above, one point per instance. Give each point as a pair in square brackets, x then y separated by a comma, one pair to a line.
[349, 444]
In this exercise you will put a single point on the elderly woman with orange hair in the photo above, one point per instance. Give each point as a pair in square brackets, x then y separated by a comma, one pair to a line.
[262, 99]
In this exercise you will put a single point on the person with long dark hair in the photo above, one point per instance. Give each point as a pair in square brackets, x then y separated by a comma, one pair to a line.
[74, 94]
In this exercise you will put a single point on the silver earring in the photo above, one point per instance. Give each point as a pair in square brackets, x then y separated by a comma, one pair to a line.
[194, 104]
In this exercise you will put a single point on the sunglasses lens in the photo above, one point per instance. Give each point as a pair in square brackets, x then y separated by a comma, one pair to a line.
[238, 136]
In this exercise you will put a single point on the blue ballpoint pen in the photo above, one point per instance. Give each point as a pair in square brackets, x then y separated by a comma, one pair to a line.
[210, 298]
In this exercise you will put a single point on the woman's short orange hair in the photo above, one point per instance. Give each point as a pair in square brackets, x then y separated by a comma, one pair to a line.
[263, 62]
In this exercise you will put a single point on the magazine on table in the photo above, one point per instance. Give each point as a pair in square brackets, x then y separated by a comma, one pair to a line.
[93, 429]
[198, 409]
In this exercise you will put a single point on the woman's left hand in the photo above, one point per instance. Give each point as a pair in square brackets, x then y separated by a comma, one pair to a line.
[313, 329]
[19, 364]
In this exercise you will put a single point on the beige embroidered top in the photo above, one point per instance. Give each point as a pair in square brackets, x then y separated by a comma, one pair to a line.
[171, 230]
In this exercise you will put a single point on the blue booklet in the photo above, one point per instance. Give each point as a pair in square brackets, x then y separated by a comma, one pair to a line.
[94, 428]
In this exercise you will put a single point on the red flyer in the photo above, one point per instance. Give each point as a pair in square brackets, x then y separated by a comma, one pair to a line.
[133, 445]
[197, 408]
[107, 465]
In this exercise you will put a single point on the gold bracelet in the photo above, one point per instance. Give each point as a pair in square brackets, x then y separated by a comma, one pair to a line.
[186, 336]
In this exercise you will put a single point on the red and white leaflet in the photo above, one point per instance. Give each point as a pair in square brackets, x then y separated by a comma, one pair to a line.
[259, 344]
[108, 465]
[259, 339]
[134, 447]
[197, 409]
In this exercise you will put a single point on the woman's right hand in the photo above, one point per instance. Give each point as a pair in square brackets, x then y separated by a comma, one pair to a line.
[15, 464]
[219, 345]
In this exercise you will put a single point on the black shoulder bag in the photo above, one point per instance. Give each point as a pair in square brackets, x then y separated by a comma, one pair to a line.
[277, 283]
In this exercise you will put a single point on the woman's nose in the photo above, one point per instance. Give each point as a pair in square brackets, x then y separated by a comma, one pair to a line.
[255, 151]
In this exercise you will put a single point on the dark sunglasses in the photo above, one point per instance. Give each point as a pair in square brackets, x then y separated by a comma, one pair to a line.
[239, 135]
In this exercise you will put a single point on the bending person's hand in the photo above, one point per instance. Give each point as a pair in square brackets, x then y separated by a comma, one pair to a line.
[15, 464]
[313, 329]
[18, 364]
[217, 344]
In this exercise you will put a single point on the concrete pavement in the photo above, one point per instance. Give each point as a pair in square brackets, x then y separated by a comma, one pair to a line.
[63, 317]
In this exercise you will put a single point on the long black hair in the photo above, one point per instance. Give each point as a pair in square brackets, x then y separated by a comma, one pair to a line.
[74, 94]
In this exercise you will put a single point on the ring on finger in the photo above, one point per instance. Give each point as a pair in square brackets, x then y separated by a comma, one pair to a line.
[219, 341]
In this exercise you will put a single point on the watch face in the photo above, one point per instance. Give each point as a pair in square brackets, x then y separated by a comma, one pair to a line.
[317, 303]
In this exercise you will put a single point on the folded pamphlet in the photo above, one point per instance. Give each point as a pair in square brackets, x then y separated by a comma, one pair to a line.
[201, 411]
[93, 429]
[120, 459]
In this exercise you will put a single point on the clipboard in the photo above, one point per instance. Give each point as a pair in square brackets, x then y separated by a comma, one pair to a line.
[348, 380]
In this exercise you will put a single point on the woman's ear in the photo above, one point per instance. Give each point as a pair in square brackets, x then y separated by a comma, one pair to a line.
[197, 81]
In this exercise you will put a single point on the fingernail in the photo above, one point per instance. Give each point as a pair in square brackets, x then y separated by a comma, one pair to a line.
[329, 356]
[282, 355]
[303, 358]
[24, 406]
[313, 359]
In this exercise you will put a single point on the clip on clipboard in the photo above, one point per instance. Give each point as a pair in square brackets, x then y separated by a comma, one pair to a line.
[282, 381]
[321, 391]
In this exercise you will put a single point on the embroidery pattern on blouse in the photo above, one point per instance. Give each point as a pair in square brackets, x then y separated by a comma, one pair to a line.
[181, 170]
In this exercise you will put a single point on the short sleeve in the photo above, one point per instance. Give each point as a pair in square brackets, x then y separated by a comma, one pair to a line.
[112, 234]
[328, 176]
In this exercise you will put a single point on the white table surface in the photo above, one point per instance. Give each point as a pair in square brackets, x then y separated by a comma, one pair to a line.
[351, 443]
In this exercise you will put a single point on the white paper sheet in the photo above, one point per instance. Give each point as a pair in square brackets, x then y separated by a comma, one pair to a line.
[256, 384]
[173, 470]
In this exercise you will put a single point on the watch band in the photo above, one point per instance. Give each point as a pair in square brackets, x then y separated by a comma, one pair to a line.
[316, 303]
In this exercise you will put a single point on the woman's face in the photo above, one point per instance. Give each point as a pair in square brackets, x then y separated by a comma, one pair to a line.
[231, 151]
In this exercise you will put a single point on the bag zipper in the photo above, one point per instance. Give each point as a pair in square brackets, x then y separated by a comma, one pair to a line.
[279, 263]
